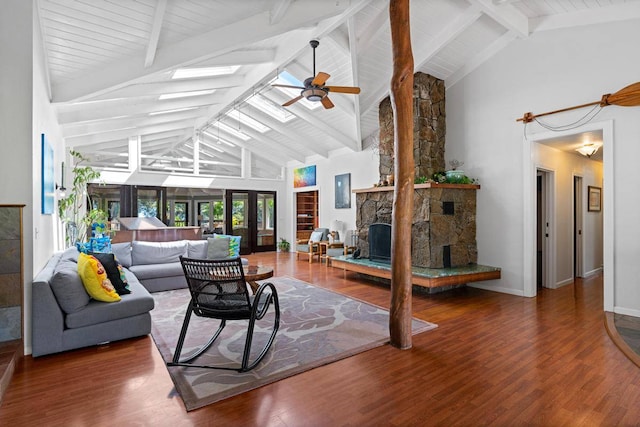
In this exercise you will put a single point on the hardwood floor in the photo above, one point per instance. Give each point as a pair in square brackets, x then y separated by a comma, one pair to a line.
[495, 359]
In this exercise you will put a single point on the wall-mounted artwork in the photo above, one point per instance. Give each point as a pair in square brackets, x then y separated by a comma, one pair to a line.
[343, 191]
[595, 199]
[47, 182]
[304, 177]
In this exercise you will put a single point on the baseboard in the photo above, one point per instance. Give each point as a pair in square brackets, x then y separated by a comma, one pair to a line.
[503, 290]
[626, 311]
[592, 272]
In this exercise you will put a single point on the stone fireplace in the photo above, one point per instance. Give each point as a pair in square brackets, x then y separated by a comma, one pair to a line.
[444, 222]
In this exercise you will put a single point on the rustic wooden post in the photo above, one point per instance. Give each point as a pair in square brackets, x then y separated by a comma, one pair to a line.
[402, 104]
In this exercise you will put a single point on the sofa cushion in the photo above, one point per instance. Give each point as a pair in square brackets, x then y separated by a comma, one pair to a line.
[197, 249]
[152, 271]
[122, 251]
[114, 272]
[218, 248]
[139, 301]
[70, 254]
[143, 253]
[68, 288]
[95, 280]
[234, 244]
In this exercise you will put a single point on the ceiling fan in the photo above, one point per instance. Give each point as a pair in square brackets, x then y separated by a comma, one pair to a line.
[314, 89]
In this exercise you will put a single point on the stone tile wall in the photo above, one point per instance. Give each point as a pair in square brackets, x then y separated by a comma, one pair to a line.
[429, 128]
[432, 228]
[10, 274]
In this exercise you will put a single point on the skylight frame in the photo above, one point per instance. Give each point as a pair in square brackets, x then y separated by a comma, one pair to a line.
[235, 132]
[199, 72]
[186, 94]
[270, 108]
[247, 120]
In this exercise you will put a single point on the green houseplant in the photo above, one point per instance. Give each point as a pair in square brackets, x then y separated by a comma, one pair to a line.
[74, 208]
[284, 245]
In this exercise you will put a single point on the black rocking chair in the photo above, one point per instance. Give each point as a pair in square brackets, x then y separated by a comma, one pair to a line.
[219, 291]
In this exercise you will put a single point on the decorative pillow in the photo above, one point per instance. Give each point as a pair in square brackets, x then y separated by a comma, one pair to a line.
[113, 270]
[95, 280]
[218, 248]
[67, 287]
[157, 252]
[197, 249]
[315, 236]
[234, 244]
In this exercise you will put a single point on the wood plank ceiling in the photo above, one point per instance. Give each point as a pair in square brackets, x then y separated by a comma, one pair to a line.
[111, 68]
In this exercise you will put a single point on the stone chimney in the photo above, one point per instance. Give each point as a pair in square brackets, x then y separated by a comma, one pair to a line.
[429, 128]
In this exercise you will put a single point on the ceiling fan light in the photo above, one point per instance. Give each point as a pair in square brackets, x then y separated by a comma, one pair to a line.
[314, 94]
[588, 149]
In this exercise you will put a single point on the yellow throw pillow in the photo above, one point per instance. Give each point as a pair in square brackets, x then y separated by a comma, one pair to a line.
[95, 280]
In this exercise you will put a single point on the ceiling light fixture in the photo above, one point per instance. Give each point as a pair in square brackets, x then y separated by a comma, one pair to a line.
[588, 149]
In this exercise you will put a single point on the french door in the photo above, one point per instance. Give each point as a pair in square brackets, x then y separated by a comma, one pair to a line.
[252, 215]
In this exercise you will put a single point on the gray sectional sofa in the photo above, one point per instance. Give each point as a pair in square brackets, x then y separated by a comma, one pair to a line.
[64, 317]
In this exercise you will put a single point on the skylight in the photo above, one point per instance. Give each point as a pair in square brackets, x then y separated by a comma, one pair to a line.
[224, 141]
[246, 120]
[286, 78]
[270, 108]
[235, 132]
[190, 73]
[175, 110]
[186, 94]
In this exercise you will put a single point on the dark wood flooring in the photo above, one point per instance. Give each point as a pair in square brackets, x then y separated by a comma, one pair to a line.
[495, 359]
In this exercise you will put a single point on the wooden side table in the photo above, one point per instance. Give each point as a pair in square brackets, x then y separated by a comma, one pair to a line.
[253, 273]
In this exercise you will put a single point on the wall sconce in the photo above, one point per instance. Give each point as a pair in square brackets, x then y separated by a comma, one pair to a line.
[61, 189]
[588, 149]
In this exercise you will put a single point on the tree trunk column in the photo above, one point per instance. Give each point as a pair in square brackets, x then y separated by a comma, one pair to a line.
[402, 104]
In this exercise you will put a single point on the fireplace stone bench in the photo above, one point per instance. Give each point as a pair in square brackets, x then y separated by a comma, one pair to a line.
[421, 276]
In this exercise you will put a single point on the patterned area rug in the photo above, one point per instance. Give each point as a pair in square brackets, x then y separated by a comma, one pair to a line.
[317, 327]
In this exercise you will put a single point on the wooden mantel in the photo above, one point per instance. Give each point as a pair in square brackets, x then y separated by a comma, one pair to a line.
[418, 186]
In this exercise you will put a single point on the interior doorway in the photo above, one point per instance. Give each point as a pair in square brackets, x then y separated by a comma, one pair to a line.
[544, 210]
[578, 270]
[530, 169]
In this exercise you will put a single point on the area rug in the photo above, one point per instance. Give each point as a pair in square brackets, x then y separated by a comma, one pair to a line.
[317, 327]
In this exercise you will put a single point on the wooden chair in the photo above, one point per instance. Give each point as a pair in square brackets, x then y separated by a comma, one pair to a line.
[311, 246]
[219, 291]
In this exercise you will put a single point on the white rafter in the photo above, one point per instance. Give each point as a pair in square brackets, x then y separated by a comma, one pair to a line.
[158, 17]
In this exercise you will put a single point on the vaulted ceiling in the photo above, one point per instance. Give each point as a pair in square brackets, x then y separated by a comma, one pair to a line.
[112, 66]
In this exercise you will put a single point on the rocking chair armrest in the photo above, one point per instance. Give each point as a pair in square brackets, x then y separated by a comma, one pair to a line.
[256, 311]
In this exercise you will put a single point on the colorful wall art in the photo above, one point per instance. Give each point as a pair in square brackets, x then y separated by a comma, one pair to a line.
[304, 177]
[47, 177]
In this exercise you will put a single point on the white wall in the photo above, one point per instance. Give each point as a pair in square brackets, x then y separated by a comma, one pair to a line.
[547, 71]
[16, 138]
[564, 167]
[363, 167]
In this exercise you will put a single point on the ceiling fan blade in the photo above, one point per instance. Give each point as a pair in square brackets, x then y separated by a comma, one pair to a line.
[320, 79]
[289, 86]
[326, 102]
[343, 89]
[291, 101]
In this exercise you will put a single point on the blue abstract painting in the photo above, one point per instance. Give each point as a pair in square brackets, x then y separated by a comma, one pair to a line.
[48, 185]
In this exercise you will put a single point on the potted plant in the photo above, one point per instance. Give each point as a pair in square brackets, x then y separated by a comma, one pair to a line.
[74, 208]
[284, 245]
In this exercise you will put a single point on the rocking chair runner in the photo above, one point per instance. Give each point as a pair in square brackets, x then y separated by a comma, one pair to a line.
[219, 291]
